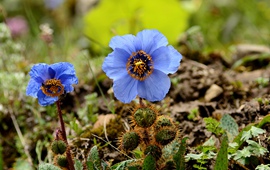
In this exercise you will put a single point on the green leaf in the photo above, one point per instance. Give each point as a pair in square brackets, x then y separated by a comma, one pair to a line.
[228, 123]
[252, 132]
[149, 163]
[93, 160]
[212, 125]
[78, 165]
[256, 148]
[265, 120]
[222, 156]
[118, 17]
[179, 157]
[122, 165]
[48, 166]
[263, 167]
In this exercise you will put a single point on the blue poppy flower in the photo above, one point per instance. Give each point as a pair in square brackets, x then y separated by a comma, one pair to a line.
[139, 65]
[48, 82]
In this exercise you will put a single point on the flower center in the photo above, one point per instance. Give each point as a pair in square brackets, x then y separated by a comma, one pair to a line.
[140, 65]
[52, 87]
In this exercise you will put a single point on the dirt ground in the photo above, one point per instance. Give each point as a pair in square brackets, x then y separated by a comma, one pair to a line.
[208, 84]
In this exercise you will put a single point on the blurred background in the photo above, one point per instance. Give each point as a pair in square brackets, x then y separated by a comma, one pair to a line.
[79, 31]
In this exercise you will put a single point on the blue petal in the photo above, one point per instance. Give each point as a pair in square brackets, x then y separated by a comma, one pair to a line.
[67, 80]
[151, 40]
[166, 59]
[40, 71]
[51, 72]
[114, 64]
[62, 68]
[44, 100]
[155, 87]
[128, 42]
[125, 88]
[32, 88]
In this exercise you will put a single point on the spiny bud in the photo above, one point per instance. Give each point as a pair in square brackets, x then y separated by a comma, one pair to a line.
[59, 147]
[165, 135]
[145, 117]
[62, 161]
[153, 150]
[130, 141]
[163, 121]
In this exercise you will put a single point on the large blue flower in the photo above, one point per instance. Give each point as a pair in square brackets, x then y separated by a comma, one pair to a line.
[139, 65]
[48, 82]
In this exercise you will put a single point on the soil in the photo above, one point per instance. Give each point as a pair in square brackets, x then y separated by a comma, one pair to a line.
[213, 88]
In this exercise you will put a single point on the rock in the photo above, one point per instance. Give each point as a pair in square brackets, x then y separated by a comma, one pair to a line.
[213, 92]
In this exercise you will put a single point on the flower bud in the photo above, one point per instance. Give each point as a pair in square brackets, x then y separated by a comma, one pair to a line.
[163, 121]
[165, 136]
[145, 117]
[62, 161]
[130, 141]
[153, 150]
[59, 147]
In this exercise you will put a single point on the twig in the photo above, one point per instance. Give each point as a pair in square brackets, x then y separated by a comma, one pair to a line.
[16, 125]
[112, 146]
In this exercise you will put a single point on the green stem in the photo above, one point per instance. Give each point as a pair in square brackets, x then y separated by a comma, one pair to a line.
[62, 124]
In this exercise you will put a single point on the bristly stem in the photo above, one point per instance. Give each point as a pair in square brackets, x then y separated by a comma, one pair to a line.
[141, 102]
[63, 129]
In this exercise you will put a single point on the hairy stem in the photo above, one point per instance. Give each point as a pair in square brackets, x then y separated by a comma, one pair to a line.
[63, 129]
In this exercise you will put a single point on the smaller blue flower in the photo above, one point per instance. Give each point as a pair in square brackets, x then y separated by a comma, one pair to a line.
[48, 82]
[139, 65]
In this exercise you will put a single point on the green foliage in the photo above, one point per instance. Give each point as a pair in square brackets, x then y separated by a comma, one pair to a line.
[93, 159]
[232, 18]
[252, 149]
[78, 165]
[253, 132]
[222, 156]
[88, 112]
[228, 124]
[123, 165]
[118, 17]
[179, 158]
[262, 81]
[212, 125]
[193, 114]
[48, 166]
[263, 167]
[149, 163]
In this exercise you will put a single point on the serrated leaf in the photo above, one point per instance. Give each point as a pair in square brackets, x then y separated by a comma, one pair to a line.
[246, 135]
[78, 165]
[48, 166]
[122, 165]
[149, 163]
[212, 125]
[93, 160]
[228, 123]
[179, 157]
[252, 132]
[222, 156]
[118, 17]
[256, 131]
